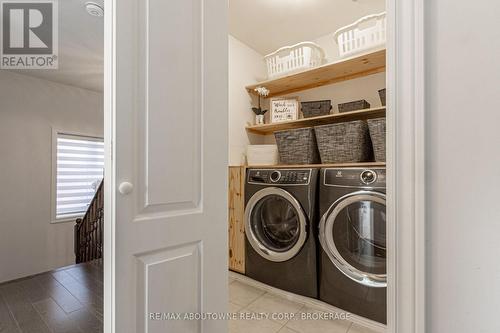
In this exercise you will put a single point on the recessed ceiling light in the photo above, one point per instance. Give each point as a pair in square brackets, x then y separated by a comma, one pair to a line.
[94, 9]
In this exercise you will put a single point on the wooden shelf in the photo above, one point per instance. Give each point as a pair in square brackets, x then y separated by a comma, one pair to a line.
[343, 70]
[316, 121]
[334, 165]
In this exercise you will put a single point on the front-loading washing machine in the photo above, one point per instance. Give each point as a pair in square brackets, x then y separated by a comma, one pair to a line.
[352, 234]
[280, 228]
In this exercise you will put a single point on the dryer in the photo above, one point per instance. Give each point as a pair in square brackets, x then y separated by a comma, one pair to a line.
[352, 234]
[280, 228]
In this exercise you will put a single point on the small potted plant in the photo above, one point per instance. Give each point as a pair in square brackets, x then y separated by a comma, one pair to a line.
[259, 113]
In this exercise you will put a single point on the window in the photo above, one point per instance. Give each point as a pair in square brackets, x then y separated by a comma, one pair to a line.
[79, 171]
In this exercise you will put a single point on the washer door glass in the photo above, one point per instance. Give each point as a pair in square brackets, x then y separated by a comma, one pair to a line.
[355, 237]
[275, 224]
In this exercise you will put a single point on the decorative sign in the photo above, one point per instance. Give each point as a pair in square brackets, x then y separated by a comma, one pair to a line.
[284, 109]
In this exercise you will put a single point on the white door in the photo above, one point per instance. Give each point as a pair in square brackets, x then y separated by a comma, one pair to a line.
[170, 142]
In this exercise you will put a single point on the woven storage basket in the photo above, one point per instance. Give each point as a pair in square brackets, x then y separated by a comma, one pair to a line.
[297, 146]
[316, 108]
[344, 142]
[381, 94]
[353, 106]
[377, 135]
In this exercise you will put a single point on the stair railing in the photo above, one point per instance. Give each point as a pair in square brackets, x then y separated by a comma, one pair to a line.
[89, 230]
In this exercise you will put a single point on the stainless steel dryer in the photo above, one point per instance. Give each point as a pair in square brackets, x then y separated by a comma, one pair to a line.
[280, 228]
[352, 233]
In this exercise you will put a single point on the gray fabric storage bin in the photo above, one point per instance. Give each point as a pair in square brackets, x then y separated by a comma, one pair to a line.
[381, 94]
[377, 135]
[354, 106]
[316, 108]
[344, 142]
[297, 146]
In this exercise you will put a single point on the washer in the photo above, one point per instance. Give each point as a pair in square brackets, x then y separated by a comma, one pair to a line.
[280, 228]
[352, 234]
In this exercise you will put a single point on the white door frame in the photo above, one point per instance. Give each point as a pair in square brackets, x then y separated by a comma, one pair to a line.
[109, 175]
[405, 164]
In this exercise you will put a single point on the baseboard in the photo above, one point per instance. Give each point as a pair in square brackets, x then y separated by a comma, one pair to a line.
[373, 325]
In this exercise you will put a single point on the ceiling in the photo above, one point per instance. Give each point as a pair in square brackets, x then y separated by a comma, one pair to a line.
[266, 25]
[81, 48]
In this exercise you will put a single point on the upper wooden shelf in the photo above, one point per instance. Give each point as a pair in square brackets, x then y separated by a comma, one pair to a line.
[343, 70]
[316, 121]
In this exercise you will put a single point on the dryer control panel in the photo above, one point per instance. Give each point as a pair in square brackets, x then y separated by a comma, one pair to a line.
[279, 176]
[355, 177]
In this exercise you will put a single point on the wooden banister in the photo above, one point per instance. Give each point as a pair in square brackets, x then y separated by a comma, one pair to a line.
[89, 230]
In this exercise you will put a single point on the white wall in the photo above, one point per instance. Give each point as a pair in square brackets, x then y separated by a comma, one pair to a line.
[29, 108]
[463, 166]
[246, 66]
[363, 88]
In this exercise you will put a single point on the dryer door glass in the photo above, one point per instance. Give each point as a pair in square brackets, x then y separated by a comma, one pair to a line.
[359, 233]
[276, 223]
[353, 234]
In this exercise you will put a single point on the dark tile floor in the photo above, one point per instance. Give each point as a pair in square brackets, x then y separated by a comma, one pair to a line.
[67, 300]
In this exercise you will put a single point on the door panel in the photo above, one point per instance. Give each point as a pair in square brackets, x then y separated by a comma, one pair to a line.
[152, 270]
[170, 142]
[171, 81]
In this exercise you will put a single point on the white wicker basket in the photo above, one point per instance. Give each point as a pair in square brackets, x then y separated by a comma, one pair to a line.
[367, 33]
[262, 154]
[290, 59]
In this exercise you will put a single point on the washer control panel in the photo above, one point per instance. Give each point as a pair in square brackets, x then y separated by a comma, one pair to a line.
[279, 176]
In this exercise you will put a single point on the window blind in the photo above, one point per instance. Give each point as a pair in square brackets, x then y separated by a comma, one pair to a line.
[80, 170]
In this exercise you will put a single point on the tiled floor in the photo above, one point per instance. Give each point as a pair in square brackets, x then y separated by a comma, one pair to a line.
[68, 300]
[246, 299]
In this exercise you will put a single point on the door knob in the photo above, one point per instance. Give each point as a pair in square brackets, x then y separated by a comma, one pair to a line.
[125, 188]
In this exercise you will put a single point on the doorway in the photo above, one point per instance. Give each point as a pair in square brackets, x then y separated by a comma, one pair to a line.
[52, 134]
[157, 228]
[266, 76]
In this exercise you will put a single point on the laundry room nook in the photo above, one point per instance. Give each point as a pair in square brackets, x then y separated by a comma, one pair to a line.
[307, 165]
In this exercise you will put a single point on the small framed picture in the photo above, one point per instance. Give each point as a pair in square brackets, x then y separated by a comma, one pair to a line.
[284, 109]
